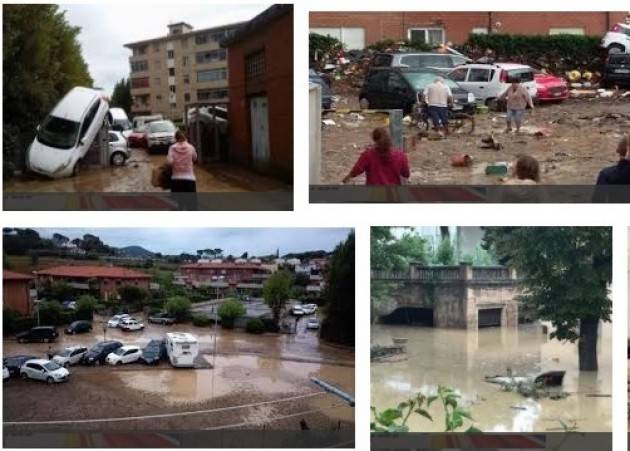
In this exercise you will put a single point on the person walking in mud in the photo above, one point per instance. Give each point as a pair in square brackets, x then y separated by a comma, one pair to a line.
[181, 158]
[381, 162]
[517, 100]
[438, 97]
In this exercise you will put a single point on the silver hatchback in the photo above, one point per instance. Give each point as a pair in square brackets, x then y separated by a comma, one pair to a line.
[118, 149]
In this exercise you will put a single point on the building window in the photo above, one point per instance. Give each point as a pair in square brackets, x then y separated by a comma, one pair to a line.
[170, 54]
[201, 39]
[479, 30]
[141, 50]
[212, 94]
[567, 30]
[255, 66]
[139, 66]
[426, 35]
[210, 56]
[184, 61]
[140, 82]
[212, 74]
[171, 88]
[184, 43]
[187, 97]
[186, 79]
[158, 98]
[171, 71]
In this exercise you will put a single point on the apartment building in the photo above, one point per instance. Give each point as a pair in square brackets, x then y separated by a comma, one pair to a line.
[184, 67]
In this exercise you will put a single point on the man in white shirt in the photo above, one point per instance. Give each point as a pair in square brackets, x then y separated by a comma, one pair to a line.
[438, 97]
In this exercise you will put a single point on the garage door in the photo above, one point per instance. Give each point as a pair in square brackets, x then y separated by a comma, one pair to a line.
[490, 317]
[352, 38]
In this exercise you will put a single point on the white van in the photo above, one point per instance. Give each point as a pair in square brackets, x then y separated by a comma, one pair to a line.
[66, 134]
[120, 122]
[140, 122]
[182, 348]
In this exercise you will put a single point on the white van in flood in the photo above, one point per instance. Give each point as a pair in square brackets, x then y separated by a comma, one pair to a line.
[120, 122]
[182, 348]
[66, 134]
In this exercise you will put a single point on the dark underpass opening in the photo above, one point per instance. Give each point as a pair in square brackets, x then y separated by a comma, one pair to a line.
[490, 317]
[411, 316]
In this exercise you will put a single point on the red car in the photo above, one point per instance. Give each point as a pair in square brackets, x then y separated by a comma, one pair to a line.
[551, 88]
[137, 139]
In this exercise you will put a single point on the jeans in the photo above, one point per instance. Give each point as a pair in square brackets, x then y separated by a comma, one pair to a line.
[438, 115]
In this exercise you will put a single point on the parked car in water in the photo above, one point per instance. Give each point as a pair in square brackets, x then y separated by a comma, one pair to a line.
[617, 70]
[115, 320]
[14, 363]
[44, 370]
[124, 354]
[550, 88]
[153, 352]
[297, 310]
[329, 100]
[312, 323]
[66, 134]
[78, 327]
[309, 309]
[70, 355]
[617, 40]
[118, 148]
[130, 324]
[160, 136]
[141, 122]
[162, 318]
[488, 81]
[99, 352]
[42, 334]
[443, 62]
[402, 88]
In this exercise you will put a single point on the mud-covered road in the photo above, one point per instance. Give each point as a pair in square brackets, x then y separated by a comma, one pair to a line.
[579, 138]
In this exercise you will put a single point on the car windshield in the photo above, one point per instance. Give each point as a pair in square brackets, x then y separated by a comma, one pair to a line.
[161, 127]
[420, 80]
[124, 124]
[66, 353]
[427, 61]
[58, 132]
[520, 75]
[51, 366]
[120, 351]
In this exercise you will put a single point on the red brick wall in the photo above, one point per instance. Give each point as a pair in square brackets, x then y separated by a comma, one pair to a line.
[108, 287]
[15, 294]
[458, 25]
[277, 42]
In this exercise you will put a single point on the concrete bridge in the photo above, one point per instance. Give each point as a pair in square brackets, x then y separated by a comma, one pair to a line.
[464, 296]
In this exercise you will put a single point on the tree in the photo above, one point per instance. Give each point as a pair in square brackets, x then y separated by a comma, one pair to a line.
[302, 279]
[445, 254]
[121, 96]
[229, 310]
[276, 292]
[131, 294]
[390, 253]
[338, 324]
[86, 305]
[565, 274]
[50, 313]
[60, 291]
[179, 307]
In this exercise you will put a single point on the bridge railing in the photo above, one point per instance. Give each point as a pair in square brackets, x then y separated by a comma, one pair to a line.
[436, 273]
[447, 273]
[491, 273]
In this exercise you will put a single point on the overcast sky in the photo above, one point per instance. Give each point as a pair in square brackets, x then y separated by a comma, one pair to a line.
[233, 241]
[106, 27]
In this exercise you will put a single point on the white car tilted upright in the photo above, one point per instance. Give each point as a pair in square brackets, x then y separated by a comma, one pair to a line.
[182, 348]
[66, 134]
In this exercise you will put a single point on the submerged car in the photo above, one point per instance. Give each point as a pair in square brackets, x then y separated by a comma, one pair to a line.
[66, 134]
[70, 356]
[443, 62]
[43, 334]
[160, 136]
[129, 324]
[550, 88]
[124, 354]
[14, 363]
[312, 323]
[99, 352]
[120, 122]
[44, 370]
[115, 320]
[162, 318]
[78, 327]
[153, 352]
[118, 149]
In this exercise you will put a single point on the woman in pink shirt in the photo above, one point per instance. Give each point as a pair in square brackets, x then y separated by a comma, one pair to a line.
[382, 164]
[181, 157]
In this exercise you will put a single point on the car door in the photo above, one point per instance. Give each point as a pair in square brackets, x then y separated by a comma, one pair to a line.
[376, 92]
[38, 371]
[477, 82]
[128, 356]
[398, 91]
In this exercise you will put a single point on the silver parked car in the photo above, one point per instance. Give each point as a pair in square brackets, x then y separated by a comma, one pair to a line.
[118, 149]
[70, 356]
[44, 370]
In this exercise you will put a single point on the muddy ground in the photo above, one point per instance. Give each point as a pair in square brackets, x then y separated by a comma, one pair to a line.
[580, 137]
[135, 177]
[246, 369]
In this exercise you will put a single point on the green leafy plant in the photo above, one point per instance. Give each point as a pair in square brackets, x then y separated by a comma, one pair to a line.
[201, 320]
[255, 326]
[179, 307]
[229, 311]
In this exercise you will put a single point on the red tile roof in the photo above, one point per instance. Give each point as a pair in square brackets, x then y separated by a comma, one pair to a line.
[94, 271]
[10, 275]
[221, 266]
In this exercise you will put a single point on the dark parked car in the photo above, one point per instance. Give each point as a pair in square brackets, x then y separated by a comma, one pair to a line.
[617, 70]
[328, 98]
[14, 362]
[153, 352]
[162, 318]
[43, 334]
[443, 62]
[98, 353]
[400, 88]
[79, 327]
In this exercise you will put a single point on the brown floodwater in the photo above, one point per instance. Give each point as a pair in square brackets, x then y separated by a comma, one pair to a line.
[460, 359]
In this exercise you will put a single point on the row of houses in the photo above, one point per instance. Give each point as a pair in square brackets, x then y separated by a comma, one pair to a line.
[18, 292]
[246, 67]
[358, 29]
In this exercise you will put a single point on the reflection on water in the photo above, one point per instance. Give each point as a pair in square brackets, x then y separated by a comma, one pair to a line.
[460, 359]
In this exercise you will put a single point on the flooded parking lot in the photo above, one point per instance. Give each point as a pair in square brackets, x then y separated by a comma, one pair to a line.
[135, 177]
[460, 359]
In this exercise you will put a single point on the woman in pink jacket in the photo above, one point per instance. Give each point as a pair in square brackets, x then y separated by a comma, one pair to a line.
[181, 157]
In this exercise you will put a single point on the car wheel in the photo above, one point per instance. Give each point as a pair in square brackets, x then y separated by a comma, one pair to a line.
[118, 363]
[23, 376]
[50, 380]
[66, 365]
[20, 340]
[364, 104]
[117, 159]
